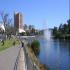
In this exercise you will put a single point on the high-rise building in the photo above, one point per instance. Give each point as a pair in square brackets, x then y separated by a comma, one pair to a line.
[18, 24]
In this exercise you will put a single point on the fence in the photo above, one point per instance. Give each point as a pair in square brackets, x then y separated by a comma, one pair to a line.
[29, 63]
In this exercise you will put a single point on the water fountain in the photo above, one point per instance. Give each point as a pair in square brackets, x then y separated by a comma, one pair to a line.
[47, 34]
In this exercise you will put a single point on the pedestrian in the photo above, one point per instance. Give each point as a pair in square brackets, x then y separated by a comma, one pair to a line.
[22, 44]
[2, 42]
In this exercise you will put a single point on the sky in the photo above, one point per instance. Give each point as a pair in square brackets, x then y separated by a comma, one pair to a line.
[40, 13]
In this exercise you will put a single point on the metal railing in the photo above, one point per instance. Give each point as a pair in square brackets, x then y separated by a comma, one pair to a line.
[29, 63]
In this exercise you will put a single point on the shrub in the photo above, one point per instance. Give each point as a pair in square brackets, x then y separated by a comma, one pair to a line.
[35, 45]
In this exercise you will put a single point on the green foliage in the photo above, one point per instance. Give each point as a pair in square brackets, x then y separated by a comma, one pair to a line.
[31, 30]
[55, 31]
[35, 45]
[63, 31]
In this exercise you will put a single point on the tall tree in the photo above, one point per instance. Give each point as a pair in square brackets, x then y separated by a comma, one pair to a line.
[4, 17]
[68, 21]
[6, 21]
[25, 26]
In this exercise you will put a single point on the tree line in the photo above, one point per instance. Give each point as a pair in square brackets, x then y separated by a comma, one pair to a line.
[31, 30]
[63, 31]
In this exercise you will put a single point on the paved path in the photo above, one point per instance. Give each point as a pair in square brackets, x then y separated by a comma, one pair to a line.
[8, 58]
[21, 61]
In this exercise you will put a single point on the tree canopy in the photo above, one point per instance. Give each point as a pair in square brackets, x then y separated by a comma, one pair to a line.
[62, 30]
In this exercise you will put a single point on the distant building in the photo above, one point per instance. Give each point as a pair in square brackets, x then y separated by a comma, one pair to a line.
[18, 23]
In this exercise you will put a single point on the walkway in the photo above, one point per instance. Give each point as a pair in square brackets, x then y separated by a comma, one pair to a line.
[8, 58]
[21, 60]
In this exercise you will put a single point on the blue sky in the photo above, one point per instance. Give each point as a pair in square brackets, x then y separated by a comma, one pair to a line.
[41, 13]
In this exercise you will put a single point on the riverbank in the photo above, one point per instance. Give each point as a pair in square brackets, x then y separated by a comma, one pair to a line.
[35, 60]
[67, 36]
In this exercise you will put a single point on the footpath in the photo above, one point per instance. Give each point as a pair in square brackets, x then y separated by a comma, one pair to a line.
[21, 60]
[8, 59]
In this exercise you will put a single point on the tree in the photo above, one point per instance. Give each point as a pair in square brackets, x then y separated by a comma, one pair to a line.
[33, 31]
[25, 26]
[54, 30]
[4, 17]
[6, 21]
[65, 28]
[30, 27]
[68, 21]
[60, 27]
[63, 31]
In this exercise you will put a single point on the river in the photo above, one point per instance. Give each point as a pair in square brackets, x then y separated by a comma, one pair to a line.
[55, 54]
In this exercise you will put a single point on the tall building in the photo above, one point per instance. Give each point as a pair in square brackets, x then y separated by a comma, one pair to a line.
[18, 24]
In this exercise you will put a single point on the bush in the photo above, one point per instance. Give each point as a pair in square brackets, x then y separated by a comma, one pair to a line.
[35, 45]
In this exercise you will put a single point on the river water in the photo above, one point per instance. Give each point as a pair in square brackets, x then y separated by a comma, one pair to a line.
[55, 54]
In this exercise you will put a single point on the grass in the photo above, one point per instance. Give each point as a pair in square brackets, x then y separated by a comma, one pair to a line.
[8, 43]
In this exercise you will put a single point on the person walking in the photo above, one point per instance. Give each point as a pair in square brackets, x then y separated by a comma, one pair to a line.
[2, 42]
[22, 44]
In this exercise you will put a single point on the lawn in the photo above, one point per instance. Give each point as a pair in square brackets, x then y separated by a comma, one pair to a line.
[8, 43]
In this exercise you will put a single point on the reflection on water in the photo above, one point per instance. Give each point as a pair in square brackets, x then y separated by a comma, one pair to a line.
[55, 54]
